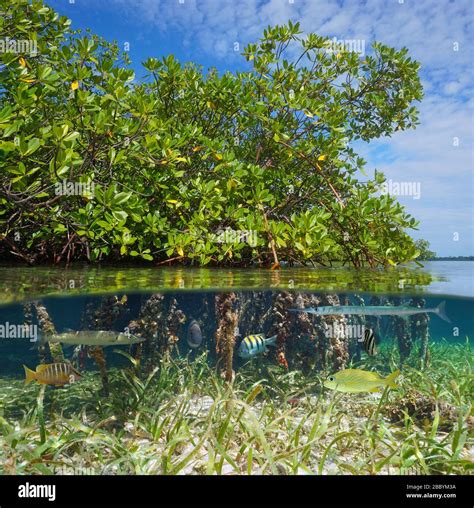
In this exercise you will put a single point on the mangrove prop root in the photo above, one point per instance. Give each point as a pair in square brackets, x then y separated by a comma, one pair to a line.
[176, 318]
[254, 305]
[46, 327]
[356, 323]
[29, 313]
[374, 322]
[332, 339]
[97, 353]
[227, 321]
[419, 329]
[407, 331]
[149, 326]
[400, 327]
[304, 341]
[206, 318]
[104, 317]
[282, 324]
[159, 322]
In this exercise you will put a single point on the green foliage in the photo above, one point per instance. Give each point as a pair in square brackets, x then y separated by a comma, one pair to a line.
[424, 247]
[167, 164]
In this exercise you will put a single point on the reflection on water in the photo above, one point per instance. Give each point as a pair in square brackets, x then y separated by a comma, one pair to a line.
[451, 277]
[18, 283]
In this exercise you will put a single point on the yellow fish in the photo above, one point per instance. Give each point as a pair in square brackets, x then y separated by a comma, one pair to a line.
[357, 380]
[57, 374]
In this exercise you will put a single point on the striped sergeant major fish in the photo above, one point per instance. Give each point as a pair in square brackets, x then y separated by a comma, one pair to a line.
[57, 374]
[375, 310]
[254, 345]
[369, 342]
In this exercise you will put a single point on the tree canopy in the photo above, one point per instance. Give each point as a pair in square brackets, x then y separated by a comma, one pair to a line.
[425, 254]
[193, 166]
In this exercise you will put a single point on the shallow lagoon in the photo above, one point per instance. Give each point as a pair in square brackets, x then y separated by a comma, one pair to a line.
[163, 408]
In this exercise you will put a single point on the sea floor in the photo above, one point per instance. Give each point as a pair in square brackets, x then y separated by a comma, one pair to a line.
[182, 418]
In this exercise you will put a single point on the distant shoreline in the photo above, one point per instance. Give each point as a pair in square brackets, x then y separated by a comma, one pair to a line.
[451, 258]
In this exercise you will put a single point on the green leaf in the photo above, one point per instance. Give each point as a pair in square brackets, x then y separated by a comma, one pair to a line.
[120, 215]
[121, 198]
[33, 145]
[72, 136]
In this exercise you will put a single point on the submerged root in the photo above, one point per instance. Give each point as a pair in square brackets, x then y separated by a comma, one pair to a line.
[29, 312]
[176, 318]
[46, 327]
[227, 321]
[97, 353]
[103, 318]
[354, 322]
[334, 344]
[159, 323]
[419, 329]
[149, 326]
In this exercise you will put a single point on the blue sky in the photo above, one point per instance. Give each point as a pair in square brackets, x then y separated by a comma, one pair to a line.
[438, 155]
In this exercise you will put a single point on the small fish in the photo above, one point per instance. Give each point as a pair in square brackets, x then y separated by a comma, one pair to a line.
[369, 342]
[194, 336]
[375, 310]
[93, 338]
[294, 401]
[254, 345]
[357, 380]
[57, 374]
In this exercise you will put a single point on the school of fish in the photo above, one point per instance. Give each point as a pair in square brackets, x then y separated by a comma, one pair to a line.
[347, 380]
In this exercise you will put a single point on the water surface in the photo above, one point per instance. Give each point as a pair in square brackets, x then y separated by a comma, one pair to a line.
[453, 278]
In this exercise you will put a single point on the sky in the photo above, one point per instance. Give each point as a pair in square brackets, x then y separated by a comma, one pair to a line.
[434, 162]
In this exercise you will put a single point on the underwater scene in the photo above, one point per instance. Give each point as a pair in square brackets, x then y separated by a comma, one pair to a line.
[236, 239]
[267, 382]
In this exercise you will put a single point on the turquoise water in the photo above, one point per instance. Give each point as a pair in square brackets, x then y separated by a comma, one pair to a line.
[254, 314]
[141, 408]
[452, 281]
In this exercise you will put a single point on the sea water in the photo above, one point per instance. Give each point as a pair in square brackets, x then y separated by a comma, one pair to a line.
[70, 313]
[139, 390]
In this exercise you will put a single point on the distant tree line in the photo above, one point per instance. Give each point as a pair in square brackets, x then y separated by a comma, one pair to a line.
[428, 255]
